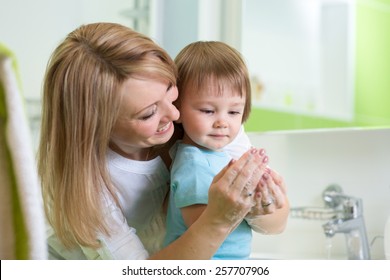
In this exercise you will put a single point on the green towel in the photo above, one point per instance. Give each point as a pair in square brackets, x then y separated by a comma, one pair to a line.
[20, 204]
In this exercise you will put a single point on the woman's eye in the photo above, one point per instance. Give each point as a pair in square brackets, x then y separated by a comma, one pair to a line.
[148, 116]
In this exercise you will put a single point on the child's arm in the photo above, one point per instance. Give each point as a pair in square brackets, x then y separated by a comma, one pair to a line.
[191, 213]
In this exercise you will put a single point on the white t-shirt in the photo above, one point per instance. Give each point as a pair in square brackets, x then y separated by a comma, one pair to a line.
[239, 145]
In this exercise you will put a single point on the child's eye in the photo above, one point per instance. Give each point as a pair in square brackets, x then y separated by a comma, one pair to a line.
[234, 112]
[206, 111]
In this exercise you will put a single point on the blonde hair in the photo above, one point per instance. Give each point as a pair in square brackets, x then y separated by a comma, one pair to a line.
[80, 107]
[211, 61]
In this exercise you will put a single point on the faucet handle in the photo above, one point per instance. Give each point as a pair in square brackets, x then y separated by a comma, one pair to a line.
[333, 196]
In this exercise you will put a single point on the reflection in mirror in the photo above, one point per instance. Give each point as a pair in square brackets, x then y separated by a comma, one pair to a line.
[300, 55]
[317, 64]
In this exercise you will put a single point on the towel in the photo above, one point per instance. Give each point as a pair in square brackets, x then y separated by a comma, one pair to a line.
[22, 223]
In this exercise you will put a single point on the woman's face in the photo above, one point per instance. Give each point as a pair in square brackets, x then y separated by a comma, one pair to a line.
[146, 115]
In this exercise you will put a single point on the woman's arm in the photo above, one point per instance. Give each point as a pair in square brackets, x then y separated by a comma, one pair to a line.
[228, 204]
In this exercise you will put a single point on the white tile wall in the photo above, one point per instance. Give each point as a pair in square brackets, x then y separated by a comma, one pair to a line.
[356, 159]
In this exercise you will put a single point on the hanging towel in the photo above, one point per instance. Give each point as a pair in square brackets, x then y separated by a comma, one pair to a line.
[22, 223]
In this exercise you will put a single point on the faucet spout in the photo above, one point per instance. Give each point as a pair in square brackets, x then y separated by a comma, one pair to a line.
[355, 235]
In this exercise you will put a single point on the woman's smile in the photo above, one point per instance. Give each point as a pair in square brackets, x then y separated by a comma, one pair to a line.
[164, 128]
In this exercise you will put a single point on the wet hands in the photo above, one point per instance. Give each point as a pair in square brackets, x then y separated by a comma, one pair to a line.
[270, 192]
[270, 210]
[232, 192]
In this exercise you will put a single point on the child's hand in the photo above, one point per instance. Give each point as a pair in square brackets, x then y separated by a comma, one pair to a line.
[270, 194]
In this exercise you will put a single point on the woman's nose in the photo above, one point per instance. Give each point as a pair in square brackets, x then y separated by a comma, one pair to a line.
[175, 113]
[170, 111]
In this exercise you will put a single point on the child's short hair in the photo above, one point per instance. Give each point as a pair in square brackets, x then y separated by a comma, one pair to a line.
[211, 61]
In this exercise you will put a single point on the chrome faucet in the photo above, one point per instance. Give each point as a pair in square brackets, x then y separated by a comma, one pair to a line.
[344, 215]
[350, 221]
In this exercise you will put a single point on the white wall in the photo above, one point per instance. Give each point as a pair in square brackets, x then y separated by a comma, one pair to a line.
[32, 29]
[180, 19]
[357, 160]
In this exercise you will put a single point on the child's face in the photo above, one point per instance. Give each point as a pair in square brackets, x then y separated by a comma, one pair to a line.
[211, 120]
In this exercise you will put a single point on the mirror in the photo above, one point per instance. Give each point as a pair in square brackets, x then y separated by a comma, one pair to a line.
[314, 64]
[300, 56]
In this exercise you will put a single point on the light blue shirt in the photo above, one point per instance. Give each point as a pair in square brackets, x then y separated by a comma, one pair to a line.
[192, 172]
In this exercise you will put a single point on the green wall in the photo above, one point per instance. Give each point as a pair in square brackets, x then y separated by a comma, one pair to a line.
[372, 78]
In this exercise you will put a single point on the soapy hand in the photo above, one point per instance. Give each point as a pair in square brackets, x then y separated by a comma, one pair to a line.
[271, 208]
[231, 193]
[270, 193]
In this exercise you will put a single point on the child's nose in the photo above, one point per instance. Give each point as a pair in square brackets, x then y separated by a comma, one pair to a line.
[220, 124]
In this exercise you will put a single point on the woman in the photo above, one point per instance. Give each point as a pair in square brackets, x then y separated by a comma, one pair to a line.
[107, 126]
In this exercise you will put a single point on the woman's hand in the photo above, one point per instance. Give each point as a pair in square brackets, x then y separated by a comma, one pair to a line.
[232, 190]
